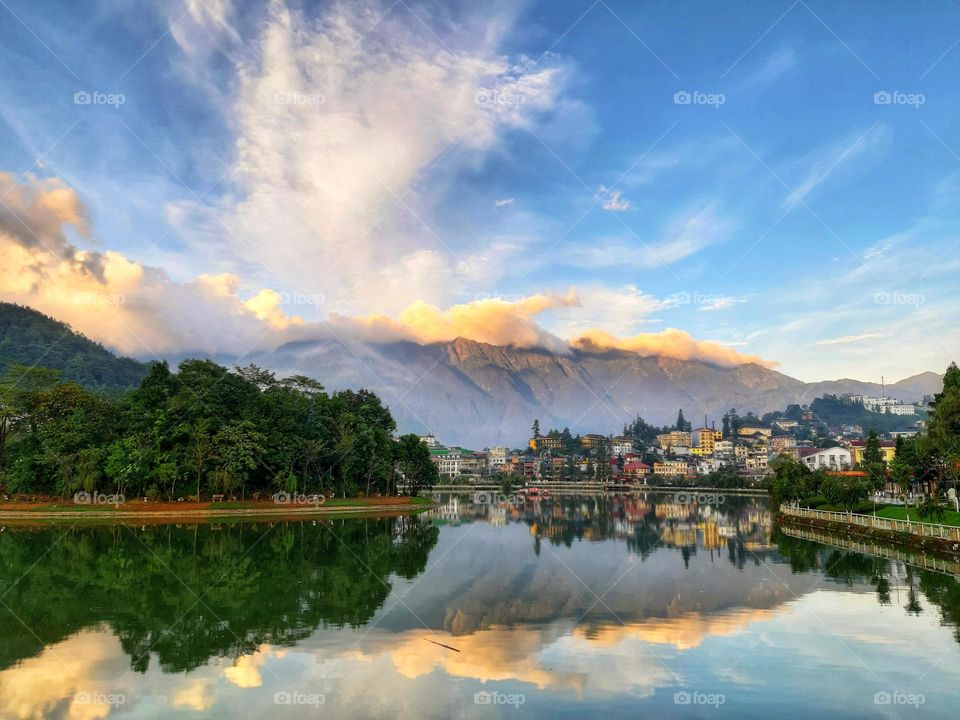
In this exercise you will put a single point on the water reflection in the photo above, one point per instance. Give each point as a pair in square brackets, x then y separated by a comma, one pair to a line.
[581, 605]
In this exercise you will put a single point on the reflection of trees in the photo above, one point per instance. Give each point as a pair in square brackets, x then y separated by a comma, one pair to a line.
[943, 591]
[209, 590]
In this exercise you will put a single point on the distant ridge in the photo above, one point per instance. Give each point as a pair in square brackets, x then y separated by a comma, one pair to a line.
[30, 338]
[476, 394]
[471, 393]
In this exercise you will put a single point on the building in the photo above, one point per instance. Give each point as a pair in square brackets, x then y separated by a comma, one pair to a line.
[748, 430]
[706, 438]
[447, 461]
[497, 457]
[593, 442]
[888, 448]
[671, 468]
[546, 443]
[635, 469]
[621, 446]
[675, 438]
[723, 448]
[430, 441]
[832, 458]
[780, 443]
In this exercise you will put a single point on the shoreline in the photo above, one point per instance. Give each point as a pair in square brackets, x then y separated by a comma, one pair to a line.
[208, 511]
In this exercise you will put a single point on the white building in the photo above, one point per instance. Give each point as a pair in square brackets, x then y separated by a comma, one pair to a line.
[498, 456]
[620, 446]
[833, 458]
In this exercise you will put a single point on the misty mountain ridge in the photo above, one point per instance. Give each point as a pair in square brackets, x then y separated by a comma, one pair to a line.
[472, 393]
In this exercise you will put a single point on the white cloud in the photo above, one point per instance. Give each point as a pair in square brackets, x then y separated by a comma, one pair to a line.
[828, 161]
[613, 200]
[503, 203]
[847, 339]
[686, 234]
[347, 129]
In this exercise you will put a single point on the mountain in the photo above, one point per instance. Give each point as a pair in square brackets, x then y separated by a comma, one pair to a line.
[475, 394]
[30, 338]
[471, 393]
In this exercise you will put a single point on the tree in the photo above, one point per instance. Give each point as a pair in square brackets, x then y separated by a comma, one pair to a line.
[536, 429]
[901, 470]
[682, 424]
[237, 447]
[845, 490]
[874, 463]
[791, 480]
[413, 463]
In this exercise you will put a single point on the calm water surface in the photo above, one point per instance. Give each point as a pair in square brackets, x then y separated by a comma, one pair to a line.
[574, 606]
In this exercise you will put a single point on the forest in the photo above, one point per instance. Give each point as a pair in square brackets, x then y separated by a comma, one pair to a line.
[199, 430]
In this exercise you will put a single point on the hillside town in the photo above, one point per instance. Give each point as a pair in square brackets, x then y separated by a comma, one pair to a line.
[742, 447]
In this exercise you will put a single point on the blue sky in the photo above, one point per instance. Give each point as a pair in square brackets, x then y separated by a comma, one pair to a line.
[779, 178]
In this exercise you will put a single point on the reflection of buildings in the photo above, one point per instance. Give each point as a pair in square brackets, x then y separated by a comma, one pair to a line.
[643, 521]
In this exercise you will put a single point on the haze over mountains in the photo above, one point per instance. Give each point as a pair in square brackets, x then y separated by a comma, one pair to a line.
[477, 394]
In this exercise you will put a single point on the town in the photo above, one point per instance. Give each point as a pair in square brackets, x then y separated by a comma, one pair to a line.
[740, 450]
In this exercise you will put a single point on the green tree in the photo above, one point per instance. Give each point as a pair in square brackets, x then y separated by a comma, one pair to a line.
[237, 447]
[873, 462]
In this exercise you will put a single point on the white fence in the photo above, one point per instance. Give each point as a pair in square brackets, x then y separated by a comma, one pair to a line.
[921, 529]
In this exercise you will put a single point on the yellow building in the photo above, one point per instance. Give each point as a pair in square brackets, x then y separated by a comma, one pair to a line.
[706, 437]
[859, 447]
[675, 438]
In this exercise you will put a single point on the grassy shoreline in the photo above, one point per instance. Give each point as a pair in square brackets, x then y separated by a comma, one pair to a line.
[177, 512]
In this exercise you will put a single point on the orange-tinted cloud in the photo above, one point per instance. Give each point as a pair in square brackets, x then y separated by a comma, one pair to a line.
[670, 343]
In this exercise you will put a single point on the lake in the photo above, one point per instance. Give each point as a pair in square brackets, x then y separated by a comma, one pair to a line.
[617, 606]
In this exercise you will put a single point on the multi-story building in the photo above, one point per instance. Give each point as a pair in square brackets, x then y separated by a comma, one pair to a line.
[706, 438]
[748, 430]
[497, 457]
[671, 468]
[621, 446]
[473, 464]
[447, 461]
[674, 438]
[546, 443]
[592, 442]
[888, 448]
[723, 448]
[832, 458]
[780, 443]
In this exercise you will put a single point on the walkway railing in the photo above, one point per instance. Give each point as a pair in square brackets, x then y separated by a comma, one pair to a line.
[921, 529]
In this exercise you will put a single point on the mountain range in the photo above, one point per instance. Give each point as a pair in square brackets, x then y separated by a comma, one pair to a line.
[475, 394]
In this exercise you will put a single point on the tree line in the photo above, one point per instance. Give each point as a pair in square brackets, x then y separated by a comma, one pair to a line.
[199, 430]
[928, 463]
